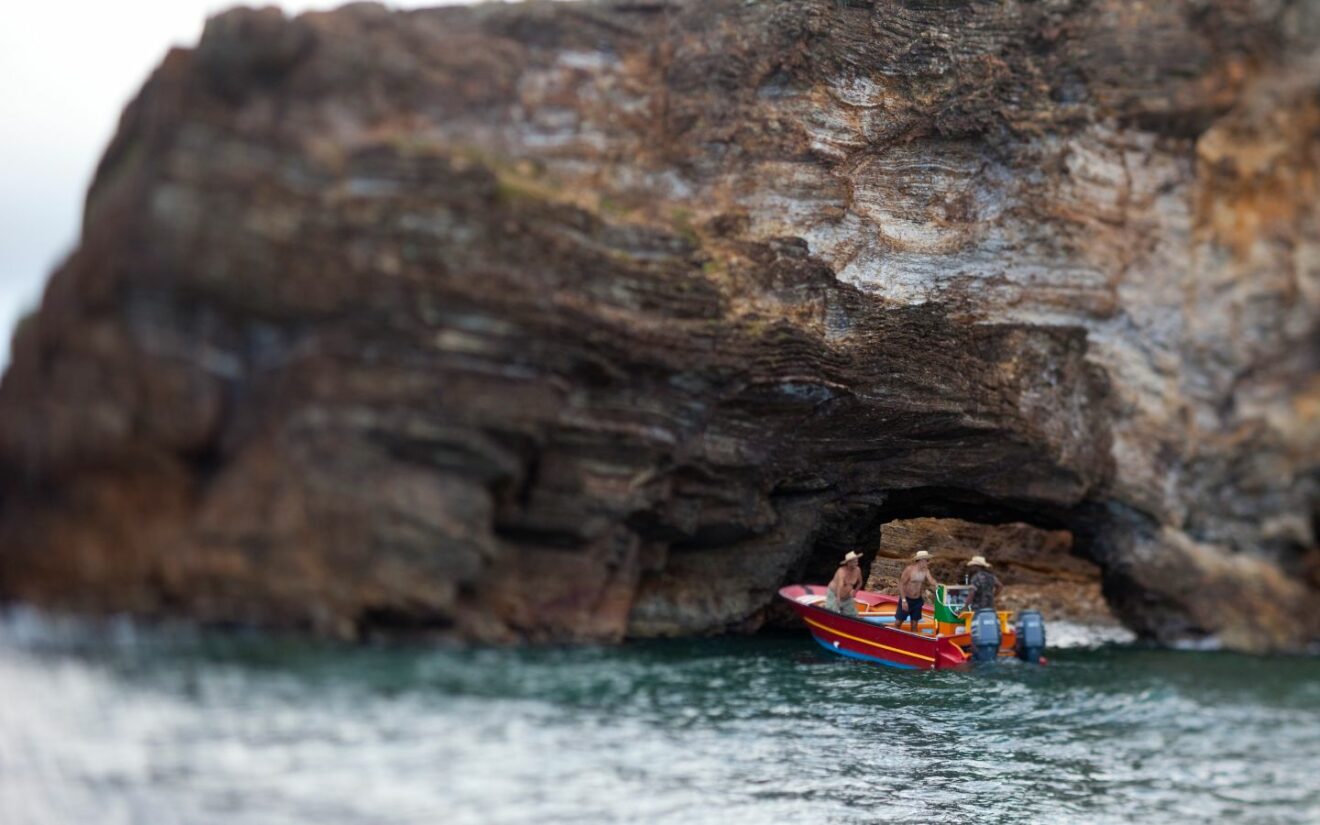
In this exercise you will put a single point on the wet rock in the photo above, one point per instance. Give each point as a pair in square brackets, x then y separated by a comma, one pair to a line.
[581, 320]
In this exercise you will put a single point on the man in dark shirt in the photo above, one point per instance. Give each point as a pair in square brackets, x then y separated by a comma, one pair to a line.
[985, 587]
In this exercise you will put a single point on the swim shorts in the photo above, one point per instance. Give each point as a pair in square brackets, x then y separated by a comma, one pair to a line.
[908, 609]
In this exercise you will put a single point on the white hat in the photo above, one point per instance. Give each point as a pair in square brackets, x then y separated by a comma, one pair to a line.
[979, 560]
[921, 555]
[851, 557]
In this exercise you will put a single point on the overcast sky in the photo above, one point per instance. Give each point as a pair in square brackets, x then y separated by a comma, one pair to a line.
[66, 71]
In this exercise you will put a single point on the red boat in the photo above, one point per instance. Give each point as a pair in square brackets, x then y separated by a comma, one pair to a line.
[943, 639]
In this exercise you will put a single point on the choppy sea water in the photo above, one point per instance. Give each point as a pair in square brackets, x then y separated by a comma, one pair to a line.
[119, 724]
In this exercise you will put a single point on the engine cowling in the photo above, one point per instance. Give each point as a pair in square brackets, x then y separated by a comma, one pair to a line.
[1030, 636]
[986, 635]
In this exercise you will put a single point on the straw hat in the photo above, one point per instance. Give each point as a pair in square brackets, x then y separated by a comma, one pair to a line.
[921, 555]
[979, 561]
[851, 557]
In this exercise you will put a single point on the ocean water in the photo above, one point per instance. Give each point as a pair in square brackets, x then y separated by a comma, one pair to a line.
[116, 723]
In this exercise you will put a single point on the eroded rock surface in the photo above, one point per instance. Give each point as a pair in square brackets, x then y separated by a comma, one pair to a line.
[573, 321]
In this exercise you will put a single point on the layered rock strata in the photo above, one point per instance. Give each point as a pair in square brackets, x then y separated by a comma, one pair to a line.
[575, 321]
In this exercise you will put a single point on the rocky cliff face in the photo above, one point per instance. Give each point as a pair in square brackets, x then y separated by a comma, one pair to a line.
[575, 321]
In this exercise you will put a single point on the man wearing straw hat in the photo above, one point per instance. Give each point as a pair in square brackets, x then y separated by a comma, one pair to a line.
[912, 588]
[845, 584]
[985, 587]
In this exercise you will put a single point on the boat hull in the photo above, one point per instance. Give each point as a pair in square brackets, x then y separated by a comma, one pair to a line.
[858, 638]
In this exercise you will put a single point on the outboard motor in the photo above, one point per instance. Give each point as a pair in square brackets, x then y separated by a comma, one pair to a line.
[985, 635]
[1030, 636]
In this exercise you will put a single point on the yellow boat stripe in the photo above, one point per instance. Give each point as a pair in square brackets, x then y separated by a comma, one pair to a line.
[868, 641]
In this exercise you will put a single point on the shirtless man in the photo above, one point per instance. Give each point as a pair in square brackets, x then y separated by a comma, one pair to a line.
[845, 584]
[911, 589]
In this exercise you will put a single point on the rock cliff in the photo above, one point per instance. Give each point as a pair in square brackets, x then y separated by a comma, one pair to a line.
[584, 320]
